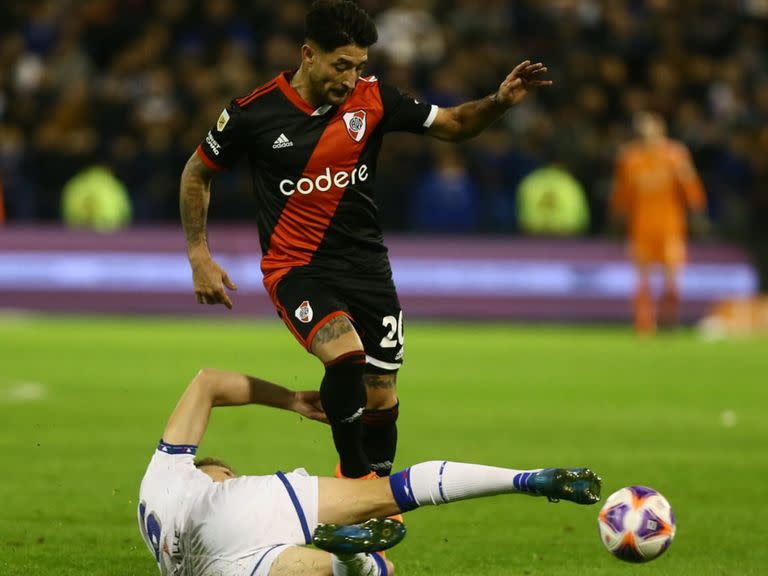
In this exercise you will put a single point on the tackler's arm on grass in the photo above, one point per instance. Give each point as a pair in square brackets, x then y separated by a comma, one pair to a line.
[469, 119]
[210, 388]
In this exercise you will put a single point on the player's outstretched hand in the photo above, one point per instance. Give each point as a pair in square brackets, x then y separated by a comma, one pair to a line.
[210, 279]
[517, 84]
[307, 403]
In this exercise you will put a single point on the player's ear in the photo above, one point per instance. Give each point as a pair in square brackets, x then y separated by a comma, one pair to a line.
[307, 54]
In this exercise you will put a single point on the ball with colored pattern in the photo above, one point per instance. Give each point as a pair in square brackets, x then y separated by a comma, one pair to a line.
[636, 524]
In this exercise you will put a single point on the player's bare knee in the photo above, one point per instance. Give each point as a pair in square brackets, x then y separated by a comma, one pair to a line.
[380, 399]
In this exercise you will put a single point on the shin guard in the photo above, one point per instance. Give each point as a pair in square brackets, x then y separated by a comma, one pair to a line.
[343, 395]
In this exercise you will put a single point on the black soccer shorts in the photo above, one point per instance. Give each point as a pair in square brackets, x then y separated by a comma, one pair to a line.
[306, 301]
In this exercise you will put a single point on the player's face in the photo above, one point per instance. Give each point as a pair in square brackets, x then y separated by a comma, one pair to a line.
[217, 473]
[649, 126]
[334, 74]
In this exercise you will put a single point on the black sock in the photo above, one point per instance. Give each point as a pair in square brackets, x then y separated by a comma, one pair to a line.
[380, 438]
[343, 395]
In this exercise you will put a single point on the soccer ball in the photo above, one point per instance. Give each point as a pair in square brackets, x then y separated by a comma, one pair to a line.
[636, 524]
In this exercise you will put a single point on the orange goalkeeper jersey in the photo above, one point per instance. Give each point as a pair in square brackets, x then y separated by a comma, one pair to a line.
[654, 187]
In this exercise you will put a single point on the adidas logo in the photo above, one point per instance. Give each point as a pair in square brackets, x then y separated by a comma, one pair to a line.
[282, 142]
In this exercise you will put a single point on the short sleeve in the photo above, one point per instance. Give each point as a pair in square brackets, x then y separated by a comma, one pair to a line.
[688, 178]
[223, 145]
[170, 464]
[179, 454]
[404, 113]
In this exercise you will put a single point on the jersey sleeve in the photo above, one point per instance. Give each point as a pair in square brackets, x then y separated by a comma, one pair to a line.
[175, 457]
[688, 178]
[404, 113]
[223, 145]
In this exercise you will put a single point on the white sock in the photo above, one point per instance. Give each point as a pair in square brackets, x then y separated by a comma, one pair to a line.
[356, 565]
[438, 482]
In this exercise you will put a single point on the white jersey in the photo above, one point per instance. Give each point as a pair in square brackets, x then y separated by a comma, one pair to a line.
[197, 527]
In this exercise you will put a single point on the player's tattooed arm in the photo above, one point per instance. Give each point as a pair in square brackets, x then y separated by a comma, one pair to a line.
[209, 278]
[469, 119]
[193, 203]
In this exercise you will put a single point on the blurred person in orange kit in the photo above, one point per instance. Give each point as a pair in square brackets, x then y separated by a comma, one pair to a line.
[656, 191]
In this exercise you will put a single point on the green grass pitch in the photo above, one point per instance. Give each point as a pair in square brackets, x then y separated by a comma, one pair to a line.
[83, 402]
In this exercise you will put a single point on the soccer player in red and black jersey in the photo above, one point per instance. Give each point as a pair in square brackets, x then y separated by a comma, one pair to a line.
[312, 137]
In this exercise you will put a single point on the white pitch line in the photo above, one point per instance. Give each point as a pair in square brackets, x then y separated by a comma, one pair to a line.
[21, 392]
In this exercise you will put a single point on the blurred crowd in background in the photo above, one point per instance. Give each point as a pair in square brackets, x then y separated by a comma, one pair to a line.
[124, 90]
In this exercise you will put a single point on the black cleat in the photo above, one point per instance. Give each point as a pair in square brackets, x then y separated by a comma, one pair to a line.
[372, 535]
[579, 485]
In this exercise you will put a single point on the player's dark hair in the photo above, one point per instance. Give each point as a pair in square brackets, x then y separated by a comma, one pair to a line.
[208, 461]
[334, 23]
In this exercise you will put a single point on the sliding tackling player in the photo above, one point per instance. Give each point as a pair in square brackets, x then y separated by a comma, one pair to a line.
[200, 518]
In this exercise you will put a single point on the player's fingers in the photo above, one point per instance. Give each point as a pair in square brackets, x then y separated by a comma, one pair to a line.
[200, 298]
[226, 301]
[312, 397]
[215, 295]
[210, 297]
[533, 68]
[520, 67]
[316, 414]
[532, 72]
[228, 283]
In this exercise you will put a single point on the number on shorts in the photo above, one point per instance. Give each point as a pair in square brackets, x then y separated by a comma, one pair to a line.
[150, 529]
[395, 326]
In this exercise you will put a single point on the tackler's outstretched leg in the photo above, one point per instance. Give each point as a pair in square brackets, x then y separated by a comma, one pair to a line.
[342, 501]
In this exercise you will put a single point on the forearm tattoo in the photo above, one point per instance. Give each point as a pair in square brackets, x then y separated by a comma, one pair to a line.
[477, 115]
[193, 201]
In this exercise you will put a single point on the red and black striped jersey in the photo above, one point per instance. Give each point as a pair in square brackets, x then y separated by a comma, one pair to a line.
[313, 170]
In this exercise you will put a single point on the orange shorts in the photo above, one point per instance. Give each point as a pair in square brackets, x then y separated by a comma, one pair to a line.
[668, 250]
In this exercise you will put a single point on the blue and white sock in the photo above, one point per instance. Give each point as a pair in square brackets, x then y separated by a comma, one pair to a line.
[358, 565]
[438, 482]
